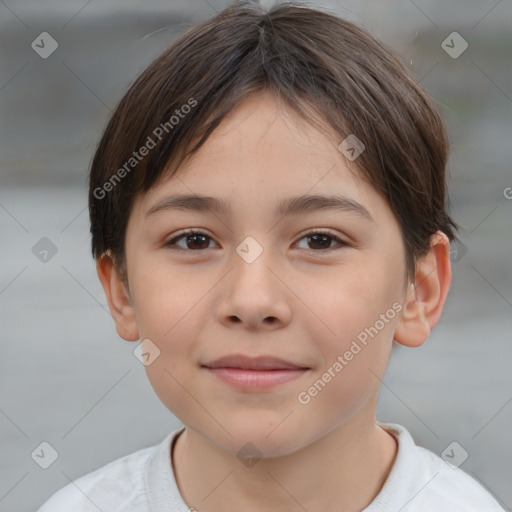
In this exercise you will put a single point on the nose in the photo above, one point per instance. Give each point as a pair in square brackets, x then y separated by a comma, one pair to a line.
[254, 295]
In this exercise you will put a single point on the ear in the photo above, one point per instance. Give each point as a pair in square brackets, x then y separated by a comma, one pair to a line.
[118, 297]
[424, 301]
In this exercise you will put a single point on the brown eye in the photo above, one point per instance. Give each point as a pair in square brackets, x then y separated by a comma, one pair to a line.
[321, 240]
[193, 241]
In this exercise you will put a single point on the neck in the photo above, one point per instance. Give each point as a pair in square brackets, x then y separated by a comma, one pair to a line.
[343, 470]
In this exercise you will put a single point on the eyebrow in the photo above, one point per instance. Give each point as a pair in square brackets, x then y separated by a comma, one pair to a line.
[289, 206]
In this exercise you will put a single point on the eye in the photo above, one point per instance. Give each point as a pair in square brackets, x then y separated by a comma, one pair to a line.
[321, 240]
[197, 240]
[193, 240]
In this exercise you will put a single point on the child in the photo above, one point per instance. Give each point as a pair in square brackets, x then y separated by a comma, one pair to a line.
[261, 136]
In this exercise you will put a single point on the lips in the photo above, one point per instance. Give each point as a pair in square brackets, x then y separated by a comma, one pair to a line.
[254, 374]
[261, 363]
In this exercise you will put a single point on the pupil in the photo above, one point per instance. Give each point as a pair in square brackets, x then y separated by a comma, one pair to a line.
[316, 239]
[196, 237]
[324, 237]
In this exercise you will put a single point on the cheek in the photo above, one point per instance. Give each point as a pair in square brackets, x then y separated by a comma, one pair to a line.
[163, 297]
[354, 336]
[171, 309]
[348, 301]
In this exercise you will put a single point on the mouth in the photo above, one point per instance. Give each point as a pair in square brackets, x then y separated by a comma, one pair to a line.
[254, 374]
[261, 363]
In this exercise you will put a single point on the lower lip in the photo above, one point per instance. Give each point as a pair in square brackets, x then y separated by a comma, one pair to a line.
[255, 380]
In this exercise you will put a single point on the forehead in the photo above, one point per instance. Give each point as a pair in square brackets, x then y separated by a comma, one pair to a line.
[261, 153]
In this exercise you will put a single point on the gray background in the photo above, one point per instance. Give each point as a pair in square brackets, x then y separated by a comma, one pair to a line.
[68, 379]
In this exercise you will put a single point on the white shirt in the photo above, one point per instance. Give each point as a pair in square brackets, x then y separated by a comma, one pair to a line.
[143, 481]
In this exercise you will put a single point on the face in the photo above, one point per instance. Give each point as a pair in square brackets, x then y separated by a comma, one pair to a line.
[315, 283]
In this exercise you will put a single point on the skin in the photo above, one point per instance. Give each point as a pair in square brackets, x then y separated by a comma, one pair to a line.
[302, 300]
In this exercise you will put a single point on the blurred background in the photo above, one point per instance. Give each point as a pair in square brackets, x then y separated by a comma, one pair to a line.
[67, 379]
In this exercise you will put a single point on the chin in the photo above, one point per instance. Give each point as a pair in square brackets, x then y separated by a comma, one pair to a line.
[264, 438]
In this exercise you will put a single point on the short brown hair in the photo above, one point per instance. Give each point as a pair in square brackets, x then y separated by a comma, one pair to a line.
[315, 61]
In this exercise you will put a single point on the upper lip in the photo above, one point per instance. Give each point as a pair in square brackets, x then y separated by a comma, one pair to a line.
[253, 363]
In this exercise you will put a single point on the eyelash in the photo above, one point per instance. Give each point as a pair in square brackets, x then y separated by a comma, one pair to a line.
[171, 244]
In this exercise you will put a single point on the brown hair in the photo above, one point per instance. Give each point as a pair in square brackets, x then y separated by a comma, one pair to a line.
[315, 61]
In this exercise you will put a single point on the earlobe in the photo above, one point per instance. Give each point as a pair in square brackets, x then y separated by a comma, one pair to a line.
[424, 301]
[118, 298]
